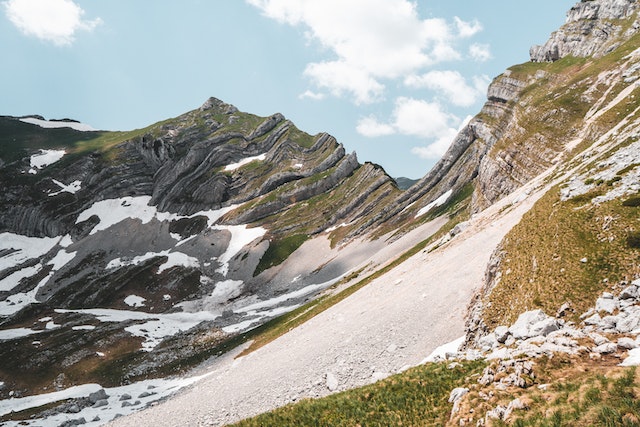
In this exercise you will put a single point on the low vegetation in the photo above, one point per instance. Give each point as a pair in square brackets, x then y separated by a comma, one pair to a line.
[566, 391]
[563, 252]
[418, 397]
[279, 250]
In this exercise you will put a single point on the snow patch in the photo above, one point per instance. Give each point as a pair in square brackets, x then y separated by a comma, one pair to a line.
[72, 188]
[154, 327]
[241, 236]
[54, 124]
[24, 248]
[335, 227]
[14, 303]
[145, 392]
[83, 328]
[14, 279]
[45, 158]
[134, 301]
[113, 211]
[173, 259]
[12, 334]
[437, 202]
[442, 351]
[244, 161]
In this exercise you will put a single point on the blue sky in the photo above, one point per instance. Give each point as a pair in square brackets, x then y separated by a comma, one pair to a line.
[391, 79]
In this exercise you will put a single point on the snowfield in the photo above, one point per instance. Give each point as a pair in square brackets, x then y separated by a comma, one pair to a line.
[53, 124]
[437, 202]
[44, 159]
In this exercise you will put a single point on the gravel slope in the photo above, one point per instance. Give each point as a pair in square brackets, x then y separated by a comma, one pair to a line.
[394, 322]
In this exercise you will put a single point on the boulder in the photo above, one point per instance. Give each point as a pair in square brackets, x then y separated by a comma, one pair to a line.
[630, 292]
[627, 343]
[501, 334]
[608, 305]
[607, 348]
[533, 323]
[331, 381]
[97, 396]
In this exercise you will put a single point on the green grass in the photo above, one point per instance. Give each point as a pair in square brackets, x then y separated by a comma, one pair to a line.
[586, 400]
[542, 267]
[279, 250]
[417, 397]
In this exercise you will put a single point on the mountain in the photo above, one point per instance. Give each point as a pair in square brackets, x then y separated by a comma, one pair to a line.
[169, 239]
[128, 257]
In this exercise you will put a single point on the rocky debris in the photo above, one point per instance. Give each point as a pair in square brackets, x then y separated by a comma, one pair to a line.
[455, 397]
[503, 413]
[535, 334]
[71, 423]
[508, 373]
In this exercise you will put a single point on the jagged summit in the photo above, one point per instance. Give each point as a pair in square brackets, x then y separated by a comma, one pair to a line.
[593, 28]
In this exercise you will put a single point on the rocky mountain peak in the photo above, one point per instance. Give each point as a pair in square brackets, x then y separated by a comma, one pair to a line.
[218, 105]
[593, 28]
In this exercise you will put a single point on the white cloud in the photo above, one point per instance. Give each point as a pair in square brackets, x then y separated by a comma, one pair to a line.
[371, 128]
[467, 29]
[371, 40]
[452, 85]
[412, 117]
[436, 149]
[480, 52]
[341, 78]
[56, 21]
[421, 118]
[308, 94]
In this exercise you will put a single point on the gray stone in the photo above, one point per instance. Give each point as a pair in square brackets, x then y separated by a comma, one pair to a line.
[125, 396]
[145, 394]
[501, 333]
[331, 381]
[608, 305]
[627, 343]
[98, 395]
[607, 348]
[488, 342]
[630, 292]
[544, 327]
[100, 403]
[457, 394]
[628, 324]
[522, 328]
[76, 422]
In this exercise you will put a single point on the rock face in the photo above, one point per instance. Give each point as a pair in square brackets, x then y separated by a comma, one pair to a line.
[590, 30]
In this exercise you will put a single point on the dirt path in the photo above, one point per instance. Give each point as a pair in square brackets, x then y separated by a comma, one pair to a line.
[394, 322]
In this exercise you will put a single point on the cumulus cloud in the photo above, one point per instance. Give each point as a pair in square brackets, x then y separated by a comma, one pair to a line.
[436, 149]
[371, 127]
[480, 52]
[452, 85]
[467, 29]
[412, 117]
[308, 94]
[371, 40]
[55, 21]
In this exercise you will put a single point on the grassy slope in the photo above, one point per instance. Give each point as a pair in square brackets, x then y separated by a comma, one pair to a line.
[417, 397]
[581, 392]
